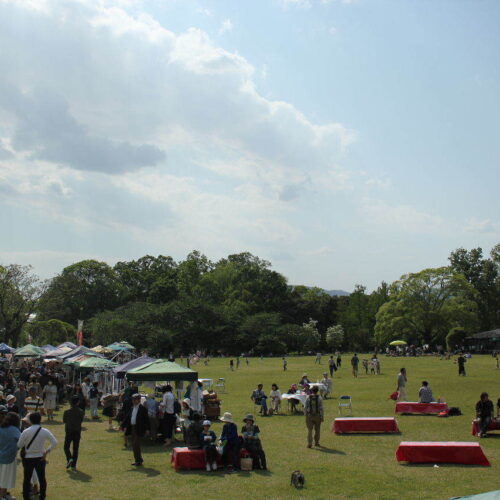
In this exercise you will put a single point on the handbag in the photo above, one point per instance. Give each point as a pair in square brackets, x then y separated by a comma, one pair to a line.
[24, 448]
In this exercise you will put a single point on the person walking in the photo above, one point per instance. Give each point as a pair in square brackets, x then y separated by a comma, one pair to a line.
[401, 389]
[21, 394]
[231, 365]
[314, 417]
[94, 401]
[33, 441]
[339, 360]
[461, 364]
[9, 436]
[72, 418]
[355, 365]
[285, 364]
[331, 365]
[50, 399]
[136, 423]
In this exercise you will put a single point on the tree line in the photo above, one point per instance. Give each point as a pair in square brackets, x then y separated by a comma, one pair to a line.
[240, 304]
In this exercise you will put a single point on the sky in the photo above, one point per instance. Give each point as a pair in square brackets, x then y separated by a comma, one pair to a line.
[345, 141]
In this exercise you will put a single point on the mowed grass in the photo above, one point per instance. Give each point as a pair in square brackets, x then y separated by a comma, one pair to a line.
[350, 466]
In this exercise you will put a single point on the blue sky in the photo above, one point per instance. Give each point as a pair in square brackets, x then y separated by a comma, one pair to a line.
[345, 141]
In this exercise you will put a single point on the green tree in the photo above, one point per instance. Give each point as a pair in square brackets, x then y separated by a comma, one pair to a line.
[424, 306]
[20, 290]
[52, 332]
[355, 318]
[335, 337]
[484, 275]
[312, 338]
[81, 291]
[455, 337]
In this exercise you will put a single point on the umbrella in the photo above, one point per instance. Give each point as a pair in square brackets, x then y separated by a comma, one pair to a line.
[398, 342]
[5, 349]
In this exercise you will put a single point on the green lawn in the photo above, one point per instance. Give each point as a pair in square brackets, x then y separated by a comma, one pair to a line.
[353, 466]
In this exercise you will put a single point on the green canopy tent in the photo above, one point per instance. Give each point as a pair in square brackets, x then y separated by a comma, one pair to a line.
[162, 370]
[94, 363]
[29, 351]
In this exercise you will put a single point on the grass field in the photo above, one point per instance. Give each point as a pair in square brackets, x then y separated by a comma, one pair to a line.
[352, 466]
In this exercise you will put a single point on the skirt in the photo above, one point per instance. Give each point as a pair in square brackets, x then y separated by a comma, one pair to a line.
[49, 404]
[8, 475]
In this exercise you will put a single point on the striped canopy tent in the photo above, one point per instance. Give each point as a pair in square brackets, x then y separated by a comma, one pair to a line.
[78, 352]
[47, 347]
[29, 351]
[56, 353]
[162, 370]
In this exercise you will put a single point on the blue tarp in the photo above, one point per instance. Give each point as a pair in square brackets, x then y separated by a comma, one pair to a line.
[121, 370]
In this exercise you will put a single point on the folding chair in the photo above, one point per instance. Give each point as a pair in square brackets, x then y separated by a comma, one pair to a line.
[221, 385]
[345, 402]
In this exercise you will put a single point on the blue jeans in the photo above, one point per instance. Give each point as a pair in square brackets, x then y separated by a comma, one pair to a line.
[484, 423]
[263, 403]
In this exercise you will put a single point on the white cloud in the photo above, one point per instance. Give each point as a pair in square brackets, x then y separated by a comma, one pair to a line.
[474, 225]
[226, 26]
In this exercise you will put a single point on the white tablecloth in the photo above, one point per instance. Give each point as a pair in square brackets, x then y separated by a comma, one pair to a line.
[321, 387]
[299, 396]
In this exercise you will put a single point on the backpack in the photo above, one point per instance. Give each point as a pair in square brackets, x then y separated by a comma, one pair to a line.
[313, 409]
[297, 479]
[454, 411]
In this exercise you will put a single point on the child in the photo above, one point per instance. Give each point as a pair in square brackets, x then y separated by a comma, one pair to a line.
[208, 439]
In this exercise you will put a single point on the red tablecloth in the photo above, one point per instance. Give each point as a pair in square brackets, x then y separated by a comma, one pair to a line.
[184, 458]
[426, 408]
[494, 426]
[450, 452]
[356, 424]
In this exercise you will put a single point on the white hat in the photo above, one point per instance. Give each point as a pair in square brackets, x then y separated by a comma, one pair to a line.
[206, 422]
[227, 418]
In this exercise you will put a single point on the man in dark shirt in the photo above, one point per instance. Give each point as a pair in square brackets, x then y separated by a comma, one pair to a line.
[193, 433]
[461, 364]
[484, 413]
[72, 419]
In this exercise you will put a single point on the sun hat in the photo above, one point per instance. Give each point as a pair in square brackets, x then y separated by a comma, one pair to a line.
[187, 401]
[206, 422]
[10, 397]
[249, 417]
[227, 418]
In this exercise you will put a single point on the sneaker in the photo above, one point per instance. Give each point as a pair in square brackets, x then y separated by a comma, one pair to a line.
[69, 464]
[214, 466]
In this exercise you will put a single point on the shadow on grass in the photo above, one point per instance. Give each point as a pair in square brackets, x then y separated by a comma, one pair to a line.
[323, 449]
[146, 471]
[79, 476]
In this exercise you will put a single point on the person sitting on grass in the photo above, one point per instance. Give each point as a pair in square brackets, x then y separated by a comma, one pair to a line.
[484, 412]
[208, 439]
[230, 443]
[425, 393]
[259, 398]
[252, 443]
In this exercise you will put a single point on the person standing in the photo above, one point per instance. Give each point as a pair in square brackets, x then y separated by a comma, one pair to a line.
[11, 404]
[196, 398]
[21, 394]
[401, 389]
[237, 362]
[94, 401]
[484, 413]
[169, 418]
[136, 423]
[314, 417]
[339, 360]
[50, 399]
[152, 406]
[33, 440]
[318, 358]
[285, 364]
[461, 364]
[72, 418]
[327, 382]
[331, 365]
[355, 365]
[231, 365]
[9, 436]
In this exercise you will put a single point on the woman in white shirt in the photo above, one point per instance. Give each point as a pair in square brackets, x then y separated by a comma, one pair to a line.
[275, 396]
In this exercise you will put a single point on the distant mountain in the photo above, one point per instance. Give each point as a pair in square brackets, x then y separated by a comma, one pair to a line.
[340, 293]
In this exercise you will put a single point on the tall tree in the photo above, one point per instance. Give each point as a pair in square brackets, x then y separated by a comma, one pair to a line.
[484, 275]
[424, 306]
[20, 290]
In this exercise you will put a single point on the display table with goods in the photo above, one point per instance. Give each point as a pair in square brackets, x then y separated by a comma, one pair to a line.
[184, 458]
[420, 408]
[211, 405]
[351, 425]
[439, 452]
[494, 426]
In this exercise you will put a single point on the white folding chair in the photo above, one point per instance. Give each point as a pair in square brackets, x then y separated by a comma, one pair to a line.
[221, 385]
[345, 402]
